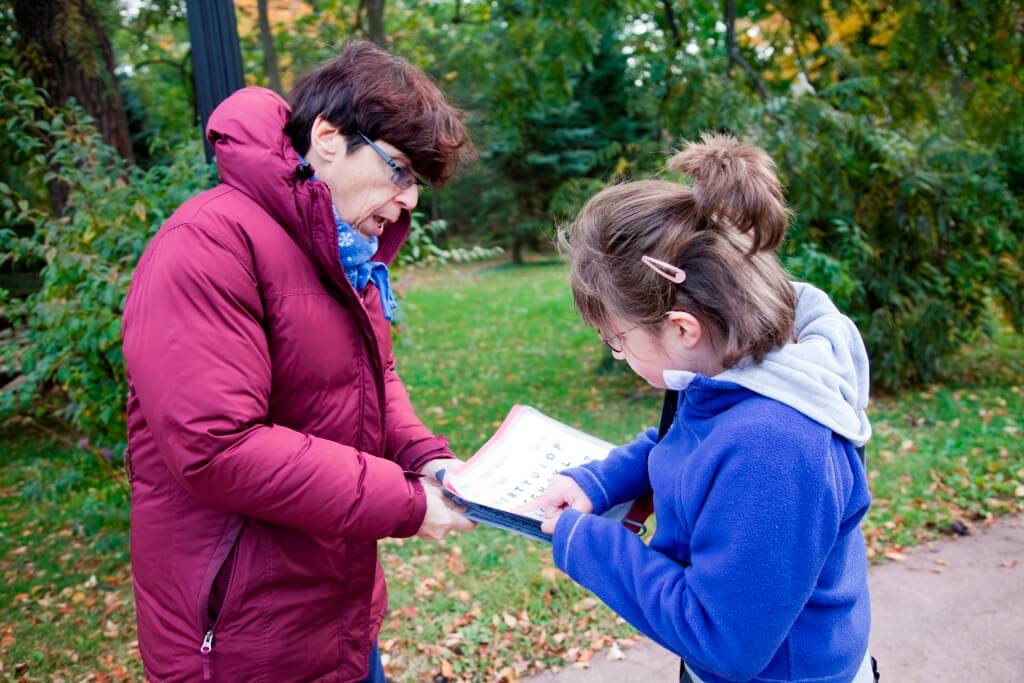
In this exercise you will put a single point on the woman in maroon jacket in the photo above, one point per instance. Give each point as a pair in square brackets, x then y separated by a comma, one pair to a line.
[271, 441]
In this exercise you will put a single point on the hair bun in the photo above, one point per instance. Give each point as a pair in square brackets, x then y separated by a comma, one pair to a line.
[735, 184]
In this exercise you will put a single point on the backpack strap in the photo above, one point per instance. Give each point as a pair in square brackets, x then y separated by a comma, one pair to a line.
[668, 412]
[643, 507]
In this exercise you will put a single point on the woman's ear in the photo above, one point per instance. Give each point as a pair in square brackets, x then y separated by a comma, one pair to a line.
[685, 327]
[325, 140]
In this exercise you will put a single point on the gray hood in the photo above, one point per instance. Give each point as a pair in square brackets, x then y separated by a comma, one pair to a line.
[824, 375]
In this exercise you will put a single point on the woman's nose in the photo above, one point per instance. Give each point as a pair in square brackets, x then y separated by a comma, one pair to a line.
[409, 197]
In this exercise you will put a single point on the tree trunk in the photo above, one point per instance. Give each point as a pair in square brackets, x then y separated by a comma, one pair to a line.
[673, 27]
[435, 205]
[270, 67]
[518, 245]
[67, 52]
[375, 20]
[730, 32]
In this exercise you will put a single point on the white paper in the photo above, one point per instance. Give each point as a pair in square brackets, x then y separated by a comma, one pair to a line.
[516, 464]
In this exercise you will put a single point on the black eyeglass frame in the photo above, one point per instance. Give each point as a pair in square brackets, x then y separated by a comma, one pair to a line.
[400, 172]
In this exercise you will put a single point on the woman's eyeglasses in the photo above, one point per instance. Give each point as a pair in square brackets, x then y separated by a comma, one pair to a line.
[402, 176]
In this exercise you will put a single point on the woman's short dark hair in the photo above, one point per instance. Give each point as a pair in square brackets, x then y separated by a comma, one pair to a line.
[368, 90]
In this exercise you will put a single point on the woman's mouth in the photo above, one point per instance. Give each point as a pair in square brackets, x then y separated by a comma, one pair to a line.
[373, 226]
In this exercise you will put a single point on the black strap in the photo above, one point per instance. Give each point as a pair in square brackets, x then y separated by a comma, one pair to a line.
[668, 412]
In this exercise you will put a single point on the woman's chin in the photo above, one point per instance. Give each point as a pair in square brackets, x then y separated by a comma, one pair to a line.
[371, 231]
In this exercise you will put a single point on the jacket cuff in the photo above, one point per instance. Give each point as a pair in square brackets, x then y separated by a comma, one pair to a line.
[418, 503]
[419, 455]
[568, 525]
[591, 486]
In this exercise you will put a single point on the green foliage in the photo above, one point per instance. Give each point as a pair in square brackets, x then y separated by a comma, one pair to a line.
[912, 235]
[422, 246]
[905, 168]
[67, 334]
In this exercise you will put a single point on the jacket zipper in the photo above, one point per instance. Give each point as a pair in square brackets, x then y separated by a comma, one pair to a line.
[341, 282]
[206, 647]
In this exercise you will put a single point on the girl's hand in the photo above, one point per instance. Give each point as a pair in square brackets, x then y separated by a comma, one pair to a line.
[562, 493]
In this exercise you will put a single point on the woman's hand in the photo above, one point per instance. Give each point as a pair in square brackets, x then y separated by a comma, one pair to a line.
[562, 492]
[434, 466]
[442, 514]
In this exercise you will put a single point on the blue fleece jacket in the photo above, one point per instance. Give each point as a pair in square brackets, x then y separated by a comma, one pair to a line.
[757, 569]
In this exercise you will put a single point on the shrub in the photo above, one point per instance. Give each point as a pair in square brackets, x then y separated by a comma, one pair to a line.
[915, 235]
[422, 248]
[67, 334]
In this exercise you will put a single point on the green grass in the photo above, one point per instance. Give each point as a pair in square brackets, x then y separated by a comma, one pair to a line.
[65, 606]
[480, 606]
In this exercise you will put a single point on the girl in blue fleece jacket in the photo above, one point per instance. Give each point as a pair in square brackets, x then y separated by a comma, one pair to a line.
[757, 570]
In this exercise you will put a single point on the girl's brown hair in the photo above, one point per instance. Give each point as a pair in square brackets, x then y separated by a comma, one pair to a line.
[722, 231]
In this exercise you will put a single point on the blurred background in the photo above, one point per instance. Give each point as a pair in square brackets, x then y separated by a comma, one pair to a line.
[898, 130]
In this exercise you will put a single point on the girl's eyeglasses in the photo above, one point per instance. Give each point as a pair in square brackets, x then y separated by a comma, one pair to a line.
[616, 342]
[402, 176]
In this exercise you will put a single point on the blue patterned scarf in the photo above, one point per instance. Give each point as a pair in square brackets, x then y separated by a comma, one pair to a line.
[355, 251]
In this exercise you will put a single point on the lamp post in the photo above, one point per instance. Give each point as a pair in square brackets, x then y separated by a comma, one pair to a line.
[216, 56]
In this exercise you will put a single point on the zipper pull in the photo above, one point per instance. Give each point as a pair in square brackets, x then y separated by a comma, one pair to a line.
[205, 649]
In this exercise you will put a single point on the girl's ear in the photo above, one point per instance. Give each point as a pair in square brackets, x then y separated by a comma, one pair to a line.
[685, 327]
[326, 140]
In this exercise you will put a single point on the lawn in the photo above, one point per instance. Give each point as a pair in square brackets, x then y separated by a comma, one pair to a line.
[485, 605]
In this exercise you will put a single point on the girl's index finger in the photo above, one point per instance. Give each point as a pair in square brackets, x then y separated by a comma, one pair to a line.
[535, 504]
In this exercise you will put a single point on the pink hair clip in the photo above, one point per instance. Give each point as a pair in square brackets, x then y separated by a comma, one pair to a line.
[666, 270]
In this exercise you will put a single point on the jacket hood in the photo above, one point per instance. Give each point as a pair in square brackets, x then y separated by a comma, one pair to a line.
[255, 156]
[824, 374]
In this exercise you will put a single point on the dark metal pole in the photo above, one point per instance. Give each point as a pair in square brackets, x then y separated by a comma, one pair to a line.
[216, 56]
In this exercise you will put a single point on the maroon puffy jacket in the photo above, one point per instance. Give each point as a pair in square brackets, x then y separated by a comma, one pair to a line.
[270, 440]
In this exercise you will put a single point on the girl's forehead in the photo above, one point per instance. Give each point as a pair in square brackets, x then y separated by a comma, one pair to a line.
[616, 323]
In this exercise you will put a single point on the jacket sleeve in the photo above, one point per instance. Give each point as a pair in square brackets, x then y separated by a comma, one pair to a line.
[408, 442]
[757, 549]
[620, 477]
[197, 357]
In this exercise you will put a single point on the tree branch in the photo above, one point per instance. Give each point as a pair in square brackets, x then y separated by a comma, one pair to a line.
[735, 57]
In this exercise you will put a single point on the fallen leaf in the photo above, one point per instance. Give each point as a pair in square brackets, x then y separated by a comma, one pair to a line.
[584, 605]
[455, 565]
[614, 653]
[896, 556]
[1009, 564]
